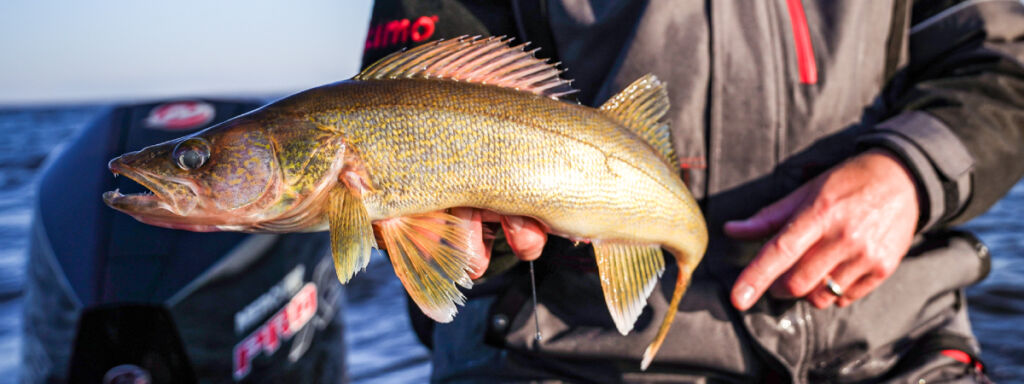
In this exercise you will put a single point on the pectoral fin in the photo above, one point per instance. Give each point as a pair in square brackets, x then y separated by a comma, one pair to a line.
[351, 233]
[430, 255]
[628, 275]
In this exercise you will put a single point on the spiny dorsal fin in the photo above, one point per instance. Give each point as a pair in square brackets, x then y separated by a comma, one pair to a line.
[640, 107]
[473, 59]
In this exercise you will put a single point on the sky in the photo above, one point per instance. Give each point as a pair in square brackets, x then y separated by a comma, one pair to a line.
[66, 51]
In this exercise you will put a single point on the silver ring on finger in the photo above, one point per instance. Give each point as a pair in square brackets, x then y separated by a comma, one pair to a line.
[833, 287]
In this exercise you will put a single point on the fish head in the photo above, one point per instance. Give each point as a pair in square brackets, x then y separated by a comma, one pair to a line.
[227, 177]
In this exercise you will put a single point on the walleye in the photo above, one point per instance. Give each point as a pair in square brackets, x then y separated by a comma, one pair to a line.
[468, 122]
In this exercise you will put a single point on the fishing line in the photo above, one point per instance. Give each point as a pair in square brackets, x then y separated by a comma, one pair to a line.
[536, 317]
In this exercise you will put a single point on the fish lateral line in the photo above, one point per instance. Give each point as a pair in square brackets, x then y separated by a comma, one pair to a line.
[318, 177]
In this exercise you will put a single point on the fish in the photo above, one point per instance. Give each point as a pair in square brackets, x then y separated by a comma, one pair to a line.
[466, 122]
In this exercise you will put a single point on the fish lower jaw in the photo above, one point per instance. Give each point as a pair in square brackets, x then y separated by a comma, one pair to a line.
[134, 202]
[183, 226]
[151, 209]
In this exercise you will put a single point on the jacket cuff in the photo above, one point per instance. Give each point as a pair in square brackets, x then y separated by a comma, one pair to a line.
[940, 163]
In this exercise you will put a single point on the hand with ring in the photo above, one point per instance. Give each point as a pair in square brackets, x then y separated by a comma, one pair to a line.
[836, 238]
[833, 287]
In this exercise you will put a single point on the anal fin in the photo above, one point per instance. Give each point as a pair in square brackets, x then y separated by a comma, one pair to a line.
[351, 233]
[429, 253]
[628, 275]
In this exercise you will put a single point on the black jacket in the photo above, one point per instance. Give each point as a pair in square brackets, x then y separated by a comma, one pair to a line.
[765, 96]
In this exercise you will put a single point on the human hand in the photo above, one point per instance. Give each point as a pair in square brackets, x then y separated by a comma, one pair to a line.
[525, 236]
[853, 224]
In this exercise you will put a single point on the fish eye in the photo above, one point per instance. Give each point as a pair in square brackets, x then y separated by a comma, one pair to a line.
[192, 153]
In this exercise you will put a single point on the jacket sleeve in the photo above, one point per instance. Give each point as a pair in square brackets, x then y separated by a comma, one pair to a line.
[958, 107]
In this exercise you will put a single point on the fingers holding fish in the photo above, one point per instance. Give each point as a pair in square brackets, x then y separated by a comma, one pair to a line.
[526, 236]
[479, 247]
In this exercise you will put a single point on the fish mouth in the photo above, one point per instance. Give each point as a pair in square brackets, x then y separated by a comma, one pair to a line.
[154, 198]
[155, 206]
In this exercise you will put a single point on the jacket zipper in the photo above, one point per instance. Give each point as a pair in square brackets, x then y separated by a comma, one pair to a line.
[802, 42]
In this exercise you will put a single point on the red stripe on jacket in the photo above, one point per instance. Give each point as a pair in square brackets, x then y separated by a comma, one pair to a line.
[802, 42]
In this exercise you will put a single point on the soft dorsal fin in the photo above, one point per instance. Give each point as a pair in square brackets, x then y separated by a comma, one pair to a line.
[473, 59]
[640, 107]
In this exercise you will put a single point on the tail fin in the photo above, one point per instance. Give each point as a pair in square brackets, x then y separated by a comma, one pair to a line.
[681, 284]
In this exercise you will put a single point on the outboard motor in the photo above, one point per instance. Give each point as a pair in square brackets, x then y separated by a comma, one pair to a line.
[112, 300]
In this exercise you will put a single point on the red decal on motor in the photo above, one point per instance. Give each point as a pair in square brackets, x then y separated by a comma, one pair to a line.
[280, 327]
[180, 115]
[399, 32]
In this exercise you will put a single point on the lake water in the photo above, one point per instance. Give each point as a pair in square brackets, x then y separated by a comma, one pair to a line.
[382, 347]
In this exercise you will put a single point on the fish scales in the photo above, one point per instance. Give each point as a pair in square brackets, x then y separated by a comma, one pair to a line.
[461, 123]
[431, 145]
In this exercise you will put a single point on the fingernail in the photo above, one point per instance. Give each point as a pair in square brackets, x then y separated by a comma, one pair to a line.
[515, 223]
[745, 295]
